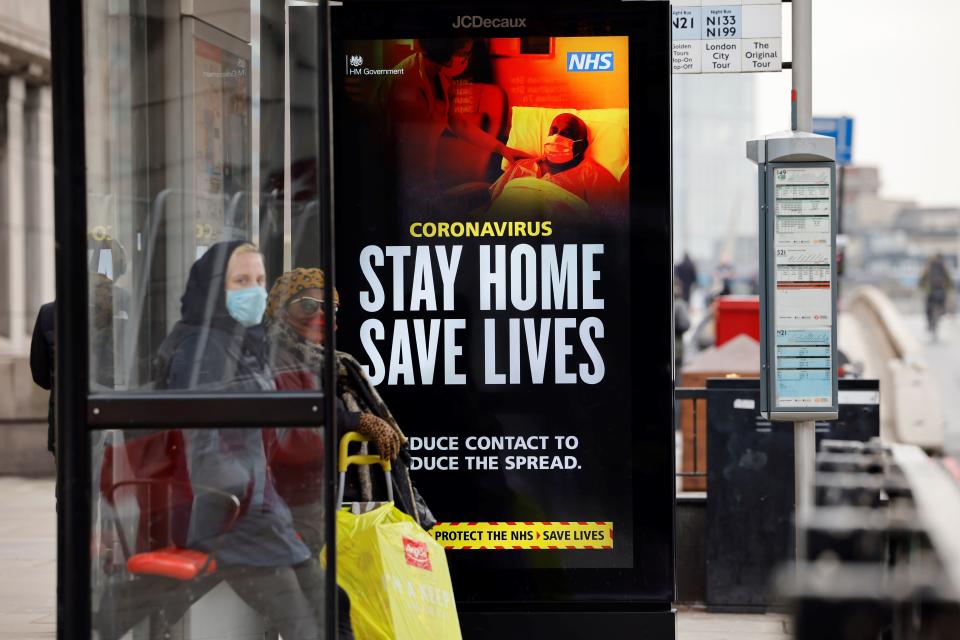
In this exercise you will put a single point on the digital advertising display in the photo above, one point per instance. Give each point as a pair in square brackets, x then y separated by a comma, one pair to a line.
[502, 212]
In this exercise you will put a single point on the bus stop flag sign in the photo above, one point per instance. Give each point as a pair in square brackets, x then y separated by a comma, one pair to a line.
[840, 128]
[726, 36]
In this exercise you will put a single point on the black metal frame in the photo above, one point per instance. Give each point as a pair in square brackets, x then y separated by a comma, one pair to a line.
[324, 146]
[77, 411]
[71, 364]
[197, 410]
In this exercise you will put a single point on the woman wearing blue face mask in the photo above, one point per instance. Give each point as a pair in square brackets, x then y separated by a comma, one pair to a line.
[218, 345]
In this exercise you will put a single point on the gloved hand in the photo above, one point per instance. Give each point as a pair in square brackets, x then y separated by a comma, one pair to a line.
[382, 434]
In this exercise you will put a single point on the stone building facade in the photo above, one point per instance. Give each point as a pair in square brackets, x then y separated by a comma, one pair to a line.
[26, 228]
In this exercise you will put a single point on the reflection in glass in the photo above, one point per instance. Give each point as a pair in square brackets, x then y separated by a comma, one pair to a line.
[171, 167]
[296, 322]
[109, 304]
[214, 532]
[218, 343]
[195, 535]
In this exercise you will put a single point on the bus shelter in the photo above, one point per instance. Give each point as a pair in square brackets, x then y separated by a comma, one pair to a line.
[499, 286]
[196, 484]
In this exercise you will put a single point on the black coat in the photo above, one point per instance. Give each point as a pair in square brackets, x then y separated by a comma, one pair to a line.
[41, 363]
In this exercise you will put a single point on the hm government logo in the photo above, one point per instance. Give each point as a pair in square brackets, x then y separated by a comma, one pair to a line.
[353, 64]
[590, 61]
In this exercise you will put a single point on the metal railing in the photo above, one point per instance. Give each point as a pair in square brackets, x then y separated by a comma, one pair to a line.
[879, 546]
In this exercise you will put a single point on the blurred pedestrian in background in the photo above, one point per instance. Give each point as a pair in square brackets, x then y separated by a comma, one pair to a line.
[686, 273]
[681, 323]
[723, 279]
[41, 364]
[937, 285]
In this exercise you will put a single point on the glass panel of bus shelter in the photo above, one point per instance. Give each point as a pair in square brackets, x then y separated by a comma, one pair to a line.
[196, 283]
[208, 533]
[169, 133]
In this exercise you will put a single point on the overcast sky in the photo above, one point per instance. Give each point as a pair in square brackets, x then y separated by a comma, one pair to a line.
[894, 66]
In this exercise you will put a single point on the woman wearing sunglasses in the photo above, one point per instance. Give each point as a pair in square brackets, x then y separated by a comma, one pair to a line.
[296, 321]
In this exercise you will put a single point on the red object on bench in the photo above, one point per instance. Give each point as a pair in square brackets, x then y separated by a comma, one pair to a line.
[164, 495]
[165, 501]
[172, 562]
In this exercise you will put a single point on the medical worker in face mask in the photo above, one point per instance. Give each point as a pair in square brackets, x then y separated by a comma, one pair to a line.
[418, 109]
[564, 162]
[219, 345]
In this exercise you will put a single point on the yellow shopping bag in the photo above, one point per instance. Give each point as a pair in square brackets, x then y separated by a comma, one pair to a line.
[396, 576]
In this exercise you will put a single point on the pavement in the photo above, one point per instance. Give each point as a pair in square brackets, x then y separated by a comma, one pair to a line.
[698, 624]
[943, 358]
[28, 559]
[28, 576]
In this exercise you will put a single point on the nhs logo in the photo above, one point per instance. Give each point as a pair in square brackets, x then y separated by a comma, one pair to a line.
[590, 61]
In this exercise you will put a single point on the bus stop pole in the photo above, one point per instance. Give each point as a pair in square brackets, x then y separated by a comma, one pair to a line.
[805, 451]
[804, 431]
[801, 70]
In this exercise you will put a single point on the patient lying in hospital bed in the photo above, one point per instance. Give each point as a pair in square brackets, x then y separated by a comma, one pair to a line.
[564, 180]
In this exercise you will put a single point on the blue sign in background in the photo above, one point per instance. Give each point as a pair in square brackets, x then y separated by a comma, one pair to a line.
[840, 128]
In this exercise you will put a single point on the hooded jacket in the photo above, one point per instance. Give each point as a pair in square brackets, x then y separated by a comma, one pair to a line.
[209, 351]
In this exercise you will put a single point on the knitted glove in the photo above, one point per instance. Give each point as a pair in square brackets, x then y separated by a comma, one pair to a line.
[383, 435]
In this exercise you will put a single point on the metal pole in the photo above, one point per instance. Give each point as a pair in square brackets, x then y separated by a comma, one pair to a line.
[324, 146]
[804, 447]
[802, 71]
[804, 432]
[71, 368]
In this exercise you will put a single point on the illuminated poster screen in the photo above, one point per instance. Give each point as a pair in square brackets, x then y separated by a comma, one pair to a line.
[487, 252]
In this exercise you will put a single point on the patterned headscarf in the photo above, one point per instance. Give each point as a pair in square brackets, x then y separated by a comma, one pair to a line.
[291, 353]
[290, 284]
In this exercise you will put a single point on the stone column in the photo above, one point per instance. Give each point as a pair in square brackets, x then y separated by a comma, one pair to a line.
[38, 208]
[12, 232]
